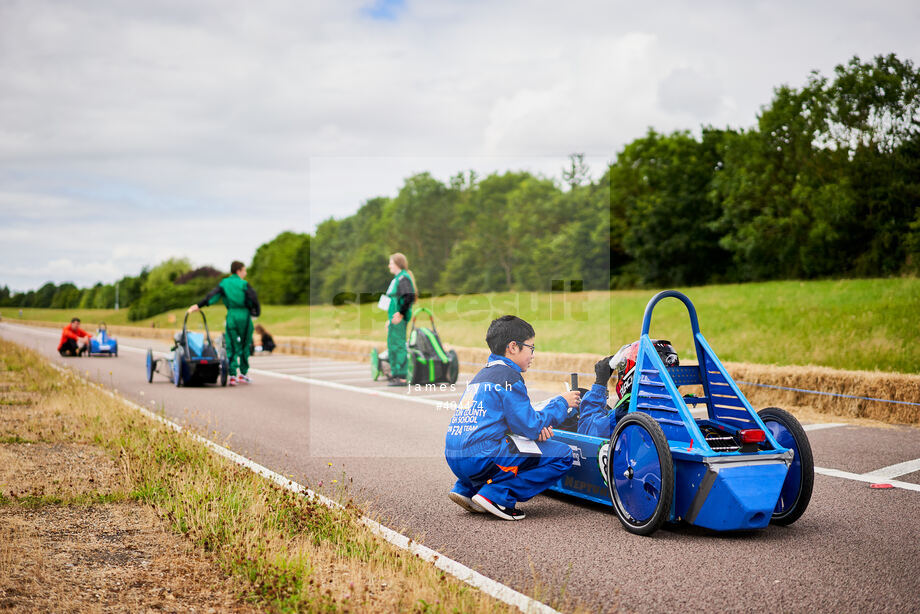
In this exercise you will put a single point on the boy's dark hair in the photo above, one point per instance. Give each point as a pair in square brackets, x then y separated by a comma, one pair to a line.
[235, 266]
[72, 320]
[506, 329]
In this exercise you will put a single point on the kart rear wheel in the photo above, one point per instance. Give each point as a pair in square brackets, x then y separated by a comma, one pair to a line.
[800, 479]
[414, 372]
[177, 368]
[375, 364]
[453, 367]
[149, 366]
[640, 474]
[224, 369]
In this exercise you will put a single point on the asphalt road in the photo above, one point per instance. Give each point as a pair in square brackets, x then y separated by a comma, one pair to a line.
[856, 549]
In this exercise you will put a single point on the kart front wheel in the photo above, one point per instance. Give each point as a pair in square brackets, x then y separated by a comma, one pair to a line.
[177, 368]
[414, 374]
[640, 474]
[800, 479]
[453, 367]
[224, 369]
[149, 365]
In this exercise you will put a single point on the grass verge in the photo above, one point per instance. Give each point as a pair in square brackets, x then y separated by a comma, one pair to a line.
[857, 324]
[280, 551]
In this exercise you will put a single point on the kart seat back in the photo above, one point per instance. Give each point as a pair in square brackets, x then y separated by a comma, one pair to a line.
[195, 344]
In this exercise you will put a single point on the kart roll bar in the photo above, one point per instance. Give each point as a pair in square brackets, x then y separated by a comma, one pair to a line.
[207, 332]
[647, 318]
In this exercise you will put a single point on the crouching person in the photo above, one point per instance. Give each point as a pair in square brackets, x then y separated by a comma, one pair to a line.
[70, 344]
[496, 467]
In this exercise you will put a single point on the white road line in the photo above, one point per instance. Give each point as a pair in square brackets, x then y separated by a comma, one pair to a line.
[827, 425]
[894, 471]
[871, 479]
[353, 379]
[368, 391]
[460, 571]
[437, 395]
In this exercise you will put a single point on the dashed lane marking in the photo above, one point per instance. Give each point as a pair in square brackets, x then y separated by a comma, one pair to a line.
[820, 427]
[894, 471]
[865, 477]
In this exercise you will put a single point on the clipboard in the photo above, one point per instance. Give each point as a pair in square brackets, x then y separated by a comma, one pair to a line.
[524, 445]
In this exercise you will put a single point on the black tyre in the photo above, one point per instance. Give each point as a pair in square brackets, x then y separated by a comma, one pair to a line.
[177, 368]
[149, 365]
[224, 369]
[415, 371]
[640, 474]
[453, 367]
[800, 479]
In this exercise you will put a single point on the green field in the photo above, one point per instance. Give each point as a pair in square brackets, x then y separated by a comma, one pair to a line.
[852, 324]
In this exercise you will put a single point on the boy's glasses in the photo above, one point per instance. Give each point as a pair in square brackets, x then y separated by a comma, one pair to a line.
[533, 348]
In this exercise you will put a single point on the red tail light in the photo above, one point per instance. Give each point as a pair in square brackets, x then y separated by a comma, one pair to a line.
[752, 436]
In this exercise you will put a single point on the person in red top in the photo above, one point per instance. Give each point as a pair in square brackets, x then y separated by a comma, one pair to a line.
[72, 333]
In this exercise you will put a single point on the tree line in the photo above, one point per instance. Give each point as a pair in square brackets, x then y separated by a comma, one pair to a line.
[825, 184]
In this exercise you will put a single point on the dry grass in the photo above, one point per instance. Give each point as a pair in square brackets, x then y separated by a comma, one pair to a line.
[104, 558]
[258, 543]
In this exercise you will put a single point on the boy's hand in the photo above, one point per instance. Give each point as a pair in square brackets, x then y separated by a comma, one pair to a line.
[572, 397]
[602, 371]
[546, 433]
[397, 318]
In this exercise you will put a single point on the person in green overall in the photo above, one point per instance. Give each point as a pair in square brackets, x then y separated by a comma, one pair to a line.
[401, 294]
[241, 302]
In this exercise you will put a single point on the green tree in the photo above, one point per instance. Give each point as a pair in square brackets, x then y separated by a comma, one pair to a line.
[660, 186]
[279, 272]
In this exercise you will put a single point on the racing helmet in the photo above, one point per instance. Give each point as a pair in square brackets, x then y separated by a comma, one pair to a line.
[623, 362]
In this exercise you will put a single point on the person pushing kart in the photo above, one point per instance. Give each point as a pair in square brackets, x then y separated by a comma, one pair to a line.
[70, 337]
[489, 444]
[242, 303]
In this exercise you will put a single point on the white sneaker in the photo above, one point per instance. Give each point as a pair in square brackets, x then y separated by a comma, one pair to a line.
[465, 502]
[232, 381]
[243, 379]
[505, 513]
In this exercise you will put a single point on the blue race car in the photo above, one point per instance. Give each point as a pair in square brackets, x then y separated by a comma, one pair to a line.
[732, 469]
[195, 359]
[102, 344]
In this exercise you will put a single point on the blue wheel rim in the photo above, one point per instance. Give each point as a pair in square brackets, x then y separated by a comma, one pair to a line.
[639, 490]
[149, 367]
[789, 494]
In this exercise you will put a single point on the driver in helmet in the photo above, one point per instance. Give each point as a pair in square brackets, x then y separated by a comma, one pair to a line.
[596, 417]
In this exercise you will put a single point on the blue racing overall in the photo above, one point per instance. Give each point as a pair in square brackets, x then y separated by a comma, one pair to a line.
[479, 451]
[594, 417]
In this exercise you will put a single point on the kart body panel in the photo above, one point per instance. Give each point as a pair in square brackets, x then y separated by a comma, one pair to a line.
[102, 344]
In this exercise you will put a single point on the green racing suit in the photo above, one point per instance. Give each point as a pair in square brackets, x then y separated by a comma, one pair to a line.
[240, 300]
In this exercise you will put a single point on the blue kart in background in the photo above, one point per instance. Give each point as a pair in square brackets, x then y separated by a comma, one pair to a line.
[195, 359]
[102, 344]
[732, 469]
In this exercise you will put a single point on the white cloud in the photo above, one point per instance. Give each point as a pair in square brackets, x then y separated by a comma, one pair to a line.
[201, 129]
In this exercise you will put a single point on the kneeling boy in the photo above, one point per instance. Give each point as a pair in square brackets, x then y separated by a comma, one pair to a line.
[493, 474]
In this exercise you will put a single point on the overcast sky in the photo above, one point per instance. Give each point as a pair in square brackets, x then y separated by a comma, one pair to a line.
[131, 132]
